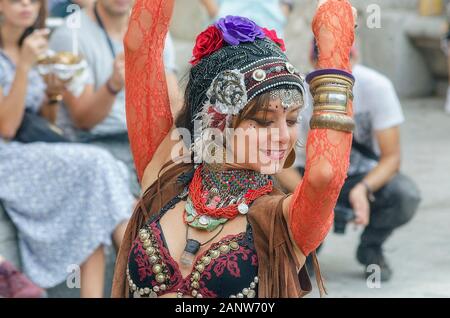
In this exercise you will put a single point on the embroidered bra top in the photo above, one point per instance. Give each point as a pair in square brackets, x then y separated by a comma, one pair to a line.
[227, 269]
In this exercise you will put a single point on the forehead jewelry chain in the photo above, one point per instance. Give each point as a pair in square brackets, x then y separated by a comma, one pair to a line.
[288, 97]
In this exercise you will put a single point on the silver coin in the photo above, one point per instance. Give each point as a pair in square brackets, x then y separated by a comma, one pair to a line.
[204, 220]
[243, 208]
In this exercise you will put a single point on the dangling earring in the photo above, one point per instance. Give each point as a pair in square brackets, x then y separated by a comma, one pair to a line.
[216, 152]
[289, 160]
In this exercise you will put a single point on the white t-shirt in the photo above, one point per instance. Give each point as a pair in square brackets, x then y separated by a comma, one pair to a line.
[376, 107]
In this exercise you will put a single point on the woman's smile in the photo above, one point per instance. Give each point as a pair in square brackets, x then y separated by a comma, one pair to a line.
[272, 154]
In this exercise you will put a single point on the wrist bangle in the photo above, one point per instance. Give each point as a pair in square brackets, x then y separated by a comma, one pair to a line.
[336, 121]
[110, 89]
[370, 194]
[336, 72]
[332, 92]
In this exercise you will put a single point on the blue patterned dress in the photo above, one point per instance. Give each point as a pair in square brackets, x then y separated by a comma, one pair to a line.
[65, 199]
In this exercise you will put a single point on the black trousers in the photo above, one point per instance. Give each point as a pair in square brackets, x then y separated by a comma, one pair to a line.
[395, 205]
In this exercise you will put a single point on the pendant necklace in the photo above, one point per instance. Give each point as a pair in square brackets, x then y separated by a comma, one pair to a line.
[193, 246]
[216, 197]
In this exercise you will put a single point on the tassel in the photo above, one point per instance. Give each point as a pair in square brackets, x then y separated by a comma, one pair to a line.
[190, 250]
[319, 279]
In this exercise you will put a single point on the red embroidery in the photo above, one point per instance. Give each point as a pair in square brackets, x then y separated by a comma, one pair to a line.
[225, 263]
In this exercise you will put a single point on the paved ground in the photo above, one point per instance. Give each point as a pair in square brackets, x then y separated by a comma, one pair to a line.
[420, 251]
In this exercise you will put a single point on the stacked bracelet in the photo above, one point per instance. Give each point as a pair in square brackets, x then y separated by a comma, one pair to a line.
[332, 121]
[332, 91]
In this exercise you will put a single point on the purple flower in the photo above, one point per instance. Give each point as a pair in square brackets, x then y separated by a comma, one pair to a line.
[236, 30]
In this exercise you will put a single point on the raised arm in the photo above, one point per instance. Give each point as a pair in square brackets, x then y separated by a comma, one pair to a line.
[310, 213]
[149, 118]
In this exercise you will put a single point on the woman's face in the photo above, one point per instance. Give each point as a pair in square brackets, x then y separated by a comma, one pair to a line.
[263, 141]
[20, 13]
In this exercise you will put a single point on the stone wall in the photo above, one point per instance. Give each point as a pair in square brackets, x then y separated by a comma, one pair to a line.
[388, 49]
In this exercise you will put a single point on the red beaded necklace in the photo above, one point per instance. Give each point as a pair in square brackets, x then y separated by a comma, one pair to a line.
[229, 212]
[244, 186]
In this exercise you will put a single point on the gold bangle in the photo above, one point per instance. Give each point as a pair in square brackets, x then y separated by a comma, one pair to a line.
[335, 77]
[335, 80]
[332, 94]
[333, 89]
[329, 82]
[332, 121]
[330, 108]
[332, 99]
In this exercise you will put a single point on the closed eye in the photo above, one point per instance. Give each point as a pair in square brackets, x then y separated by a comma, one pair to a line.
[263, 123]
[292, 122]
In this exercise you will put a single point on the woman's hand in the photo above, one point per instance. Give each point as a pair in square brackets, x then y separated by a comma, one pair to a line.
[34, 46]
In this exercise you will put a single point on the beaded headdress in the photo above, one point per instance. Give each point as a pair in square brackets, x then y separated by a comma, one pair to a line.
[234, 61]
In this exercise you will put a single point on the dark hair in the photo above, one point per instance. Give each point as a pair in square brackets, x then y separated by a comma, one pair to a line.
[259, 103]
[38, 24]
[184, 118]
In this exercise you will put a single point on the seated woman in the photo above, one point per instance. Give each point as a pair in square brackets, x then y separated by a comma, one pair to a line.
[66, 200]
[211, 228]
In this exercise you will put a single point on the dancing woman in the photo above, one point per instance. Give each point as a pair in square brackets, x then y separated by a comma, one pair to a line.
[211, 228]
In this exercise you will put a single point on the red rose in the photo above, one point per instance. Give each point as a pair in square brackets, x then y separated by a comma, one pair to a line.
[206, 43]
[272, 34]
